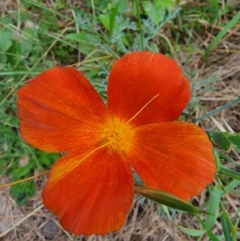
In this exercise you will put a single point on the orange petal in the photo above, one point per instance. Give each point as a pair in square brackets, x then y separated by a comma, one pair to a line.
[175, 157]
[140, 77]
[59, 110]
[90, 196]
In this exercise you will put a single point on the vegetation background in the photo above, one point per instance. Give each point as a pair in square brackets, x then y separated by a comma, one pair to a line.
[203, 36]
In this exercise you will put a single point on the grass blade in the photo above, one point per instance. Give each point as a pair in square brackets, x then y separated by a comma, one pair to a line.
[221, 34]
[213, 208]
[223, 107]
[229, 173]
[225, 228]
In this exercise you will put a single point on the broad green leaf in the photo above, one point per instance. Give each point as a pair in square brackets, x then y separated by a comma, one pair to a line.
[166, 199]
[5, 39]
[225, 140]
[105, 20]
[221, 140]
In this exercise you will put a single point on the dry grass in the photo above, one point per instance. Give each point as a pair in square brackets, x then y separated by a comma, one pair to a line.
[34, 222]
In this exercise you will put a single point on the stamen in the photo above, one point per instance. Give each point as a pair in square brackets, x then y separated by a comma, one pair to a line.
[90, 153]
[2, 186]
[142, 108]
[116, 134]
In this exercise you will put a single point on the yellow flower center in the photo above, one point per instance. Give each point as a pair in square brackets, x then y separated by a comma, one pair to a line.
[118, 135]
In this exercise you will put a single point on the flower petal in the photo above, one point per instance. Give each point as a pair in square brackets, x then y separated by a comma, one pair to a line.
[59, 110]
[90, 196]
[141, 77]
[175, 157]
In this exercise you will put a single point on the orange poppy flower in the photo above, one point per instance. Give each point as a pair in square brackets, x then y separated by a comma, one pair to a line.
[91, 187]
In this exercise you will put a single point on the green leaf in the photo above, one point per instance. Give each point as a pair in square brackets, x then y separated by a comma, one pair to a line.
[47, 159]
[213, 10]
[5, 43]
[23, 171]
[192, 232]
[166, 199]
[213, 208]
[23, 191]
[222, 33]
[225, 140]
[169, 4]
[229, 229]
[232, 185]
[221, 140]
[5, 39]
[81, 37]
[234, 139]
[113, 15]
[217, 159]
[212, 236]
[105, 20]
[87, 41]
[229, 172]
[156, 10]
[152, 12]
[225, 228]
[26, 44]
[148, 8]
